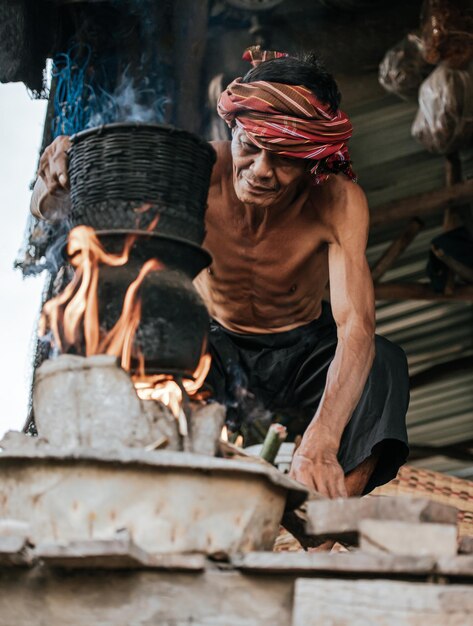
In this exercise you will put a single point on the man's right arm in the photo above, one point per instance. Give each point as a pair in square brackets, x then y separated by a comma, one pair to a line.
[50, 199]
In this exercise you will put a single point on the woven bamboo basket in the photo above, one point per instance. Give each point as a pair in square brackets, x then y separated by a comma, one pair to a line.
[133, 176]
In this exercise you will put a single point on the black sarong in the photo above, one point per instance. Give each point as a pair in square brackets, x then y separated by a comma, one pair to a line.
[281, 377]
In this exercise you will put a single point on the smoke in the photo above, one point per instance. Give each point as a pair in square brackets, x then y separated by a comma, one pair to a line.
[129, 103]
[54, 256]
[245, 412]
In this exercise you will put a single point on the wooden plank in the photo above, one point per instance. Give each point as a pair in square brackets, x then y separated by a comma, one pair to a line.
[396, 248]
[340, 518]
[407, 538]
[422, 204]
[114, 554]
[460, 565]
[143, 598]
[420, 291]
[337, 563]
[380, 603]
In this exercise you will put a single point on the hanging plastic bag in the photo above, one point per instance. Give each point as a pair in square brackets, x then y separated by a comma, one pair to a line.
[444, 121]
[403, 68]
[447, 31]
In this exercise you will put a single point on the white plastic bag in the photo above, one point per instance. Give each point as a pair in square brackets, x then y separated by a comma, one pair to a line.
[444, 121]
[403, 68]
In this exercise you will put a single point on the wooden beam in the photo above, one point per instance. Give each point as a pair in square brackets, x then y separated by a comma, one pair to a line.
[190, 35]
[455, 266]
[423, 204]
[453, 176]
[451, 216]
[397, 247]
[420, 291]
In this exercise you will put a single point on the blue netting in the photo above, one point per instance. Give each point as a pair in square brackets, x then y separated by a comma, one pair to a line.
[74, 94]
[83, 97]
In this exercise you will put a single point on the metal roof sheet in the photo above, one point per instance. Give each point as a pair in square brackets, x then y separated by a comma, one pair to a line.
[391, 165]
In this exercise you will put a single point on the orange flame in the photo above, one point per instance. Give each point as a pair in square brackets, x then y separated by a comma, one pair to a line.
[166, 390]
[119, 341]
[76, 307]
[74, 314]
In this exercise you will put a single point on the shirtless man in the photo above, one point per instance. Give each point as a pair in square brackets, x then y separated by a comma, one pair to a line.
[280, 225]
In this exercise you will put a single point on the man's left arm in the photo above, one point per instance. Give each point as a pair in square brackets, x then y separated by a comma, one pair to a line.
[352, 298]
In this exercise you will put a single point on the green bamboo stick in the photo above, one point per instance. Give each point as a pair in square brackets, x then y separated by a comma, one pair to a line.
[275, 436]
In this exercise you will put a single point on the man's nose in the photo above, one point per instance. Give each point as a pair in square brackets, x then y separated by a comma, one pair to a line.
[262, 166]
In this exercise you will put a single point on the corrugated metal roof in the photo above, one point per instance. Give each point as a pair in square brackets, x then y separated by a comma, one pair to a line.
[391, 165]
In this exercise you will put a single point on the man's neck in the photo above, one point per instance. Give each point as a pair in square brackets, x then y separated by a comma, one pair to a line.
[257, 217]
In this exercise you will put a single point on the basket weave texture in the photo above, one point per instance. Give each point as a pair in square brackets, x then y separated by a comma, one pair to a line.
[124, 175]
[450, 490]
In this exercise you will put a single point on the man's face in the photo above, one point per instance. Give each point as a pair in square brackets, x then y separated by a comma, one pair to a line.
[260, 177]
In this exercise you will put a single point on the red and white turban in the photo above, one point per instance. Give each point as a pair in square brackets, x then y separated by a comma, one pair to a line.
[290, 121]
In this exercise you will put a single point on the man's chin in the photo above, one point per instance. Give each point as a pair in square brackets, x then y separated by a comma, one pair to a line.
[256, 199]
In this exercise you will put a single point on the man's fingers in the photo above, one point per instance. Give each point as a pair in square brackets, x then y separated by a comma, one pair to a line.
[336, 485]
[59, 169]
[53, 164]
[333, 488]
[321, 484]
[43, 169]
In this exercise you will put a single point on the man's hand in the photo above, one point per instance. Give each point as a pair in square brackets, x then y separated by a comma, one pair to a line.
[53, 165]
[323, 473]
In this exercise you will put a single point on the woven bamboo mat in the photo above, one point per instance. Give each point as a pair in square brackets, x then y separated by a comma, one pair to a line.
[450, 490]
[418, 482]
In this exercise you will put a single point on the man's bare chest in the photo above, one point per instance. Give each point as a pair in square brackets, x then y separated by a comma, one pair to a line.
[280, 256]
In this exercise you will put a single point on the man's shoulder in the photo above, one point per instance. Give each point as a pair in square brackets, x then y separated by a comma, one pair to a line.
[339, 197]
[223, 164]
[222, 148]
